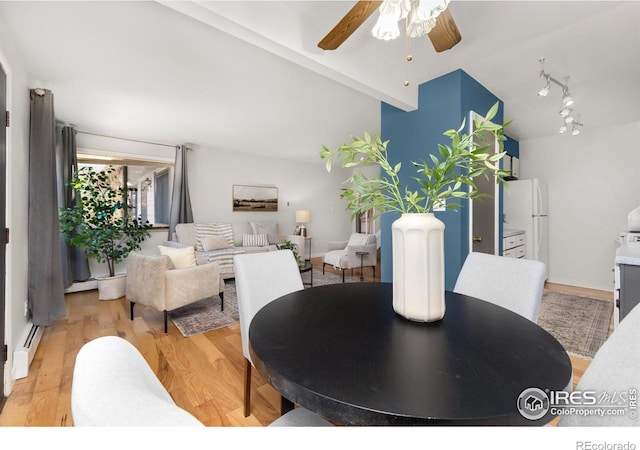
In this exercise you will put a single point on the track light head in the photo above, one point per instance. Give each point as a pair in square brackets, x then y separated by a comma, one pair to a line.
[567, 100]
[545, 90]
[575, 126]
[568, 119]
[564, 112]
[563, 129]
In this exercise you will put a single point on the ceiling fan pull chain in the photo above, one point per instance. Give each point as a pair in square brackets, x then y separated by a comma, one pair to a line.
[409, 58]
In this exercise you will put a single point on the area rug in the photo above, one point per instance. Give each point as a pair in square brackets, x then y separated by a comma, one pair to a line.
[205, 315]
[580, 324]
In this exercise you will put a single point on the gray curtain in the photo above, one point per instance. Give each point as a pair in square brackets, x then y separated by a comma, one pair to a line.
[180, 200]
[46, 291]
[75, 265]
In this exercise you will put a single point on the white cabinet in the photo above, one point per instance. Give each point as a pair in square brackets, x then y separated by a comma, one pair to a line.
[513, 244]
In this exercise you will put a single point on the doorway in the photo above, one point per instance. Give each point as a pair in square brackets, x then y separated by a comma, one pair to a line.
[484, 212]
[3, 237]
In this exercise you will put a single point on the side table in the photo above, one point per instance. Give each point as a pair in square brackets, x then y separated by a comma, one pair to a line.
[307, 267]
[362, 255]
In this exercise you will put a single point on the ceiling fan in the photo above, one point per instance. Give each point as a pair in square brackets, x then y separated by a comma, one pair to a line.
[443, 36]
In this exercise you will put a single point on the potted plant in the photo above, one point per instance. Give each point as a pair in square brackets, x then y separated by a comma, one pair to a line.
[99, 224]
[288, 245]
[443, 179]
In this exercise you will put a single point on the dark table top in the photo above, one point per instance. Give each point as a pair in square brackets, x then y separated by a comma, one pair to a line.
[341, 351]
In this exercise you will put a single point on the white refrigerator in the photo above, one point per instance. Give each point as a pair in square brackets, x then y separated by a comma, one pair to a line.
[525, 208]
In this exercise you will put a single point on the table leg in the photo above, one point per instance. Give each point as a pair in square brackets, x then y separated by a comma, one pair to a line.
[286, 406]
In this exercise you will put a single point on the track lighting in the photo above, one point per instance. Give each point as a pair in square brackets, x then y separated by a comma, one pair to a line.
[567, 100]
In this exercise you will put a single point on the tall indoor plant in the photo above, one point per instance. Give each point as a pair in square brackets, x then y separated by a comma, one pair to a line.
[418, 236]
[99, 224]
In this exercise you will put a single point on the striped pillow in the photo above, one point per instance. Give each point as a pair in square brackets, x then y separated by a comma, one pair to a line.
[255, 240]
[212, 229]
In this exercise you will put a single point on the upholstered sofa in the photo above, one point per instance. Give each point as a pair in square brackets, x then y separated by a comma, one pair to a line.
[218, 241]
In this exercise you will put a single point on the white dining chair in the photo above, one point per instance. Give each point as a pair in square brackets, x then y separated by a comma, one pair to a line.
[260, 279]
[615, 368]
[513, 283]
[114, 386]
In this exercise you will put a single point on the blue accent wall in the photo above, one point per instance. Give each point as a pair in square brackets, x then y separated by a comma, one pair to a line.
[511, 146]
[442, 105]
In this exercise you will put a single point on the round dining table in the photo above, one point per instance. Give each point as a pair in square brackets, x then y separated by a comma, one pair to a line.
[343, 352]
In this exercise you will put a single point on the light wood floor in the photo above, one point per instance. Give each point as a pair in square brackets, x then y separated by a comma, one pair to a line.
[203, 373]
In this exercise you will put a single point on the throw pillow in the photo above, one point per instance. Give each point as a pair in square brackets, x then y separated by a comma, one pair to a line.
[210, 243]
[212, 229]
[271, 229]
[255, 240]
[180, 257]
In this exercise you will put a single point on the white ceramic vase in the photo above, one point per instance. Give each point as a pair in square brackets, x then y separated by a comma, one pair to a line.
[418, 267]
[111, 288]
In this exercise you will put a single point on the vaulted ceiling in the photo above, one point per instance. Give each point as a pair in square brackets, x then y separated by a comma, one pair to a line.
[249, 77]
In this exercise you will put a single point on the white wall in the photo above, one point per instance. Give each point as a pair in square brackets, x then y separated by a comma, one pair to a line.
[17, 197]
[212, 173]
[594, 182]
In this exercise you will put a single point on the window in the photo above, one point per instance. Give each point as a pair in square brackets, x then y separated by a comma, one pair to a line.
[149, 183]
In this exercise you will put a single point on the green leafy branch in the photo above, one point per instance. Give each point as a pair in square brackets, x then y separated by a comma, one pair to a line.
[441, 178]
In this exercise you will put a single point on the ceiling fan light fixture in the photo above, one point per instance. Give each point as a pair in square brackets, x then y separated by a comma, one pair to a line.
[422, 16]
[391, 11]
[568, 119]
[575, 131]
[563, 129]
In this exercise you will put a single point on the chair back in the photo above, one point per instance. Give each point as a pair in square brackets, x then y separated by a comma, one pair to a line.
[114, 386]
[513, 283]
[361, 239]
[260, 279]
[615, 369]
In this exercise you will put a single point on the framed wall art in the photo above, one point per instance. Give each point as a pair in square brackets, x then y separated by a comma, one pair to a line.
[255, 198]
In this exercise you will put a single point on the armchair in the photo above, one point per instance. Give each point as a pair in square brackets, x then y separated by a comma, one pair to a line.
[344, 255]
[152, 281]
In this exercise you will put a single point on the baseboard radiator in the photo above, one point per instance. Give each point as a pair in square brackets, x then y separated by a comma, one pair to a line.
[23, 355]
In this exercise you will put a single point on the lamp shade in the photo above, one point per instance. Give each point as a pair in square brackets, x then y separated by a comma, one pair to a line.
[303, 216]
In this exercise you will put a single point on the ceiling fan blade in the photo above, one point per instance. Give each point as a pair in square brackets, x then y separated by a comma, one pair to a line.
[445, 34]
[349, 23]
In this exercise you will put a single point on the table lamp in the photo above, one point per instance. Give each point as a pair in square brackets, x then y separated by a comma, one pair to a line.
[302, 217]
